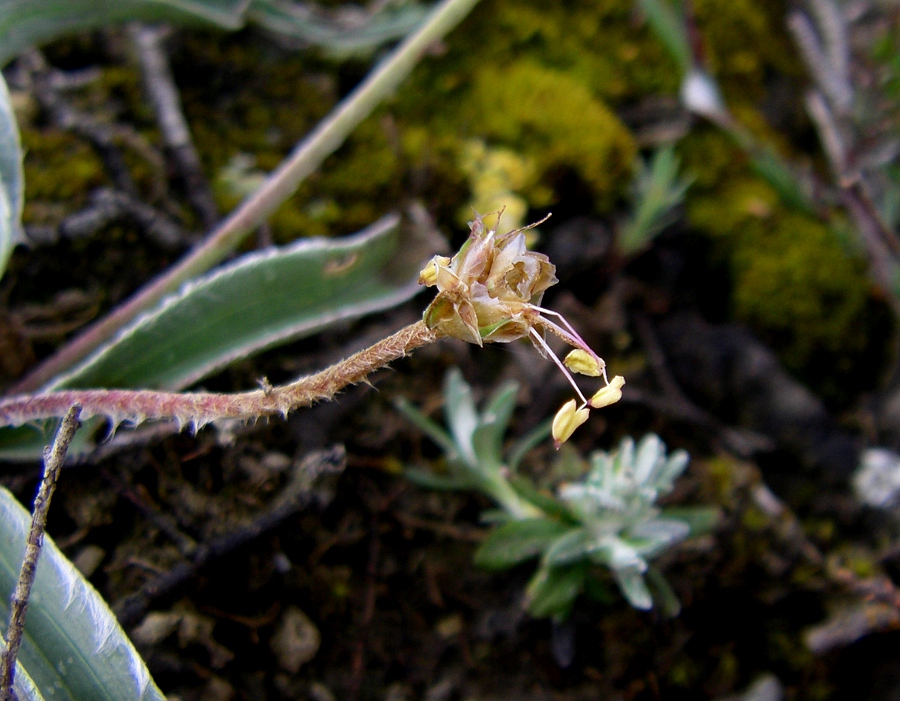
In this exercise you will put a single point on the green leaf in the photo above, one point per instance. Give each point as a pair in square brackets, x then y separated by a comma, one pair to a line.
[574, 545]
[11, 180]
[518, 541]
[24, 23]
[261, 300]
[599, 590]
[462, 416]
[258, 301]
[543, 500]
[663, 593]
[658, 192]
[301, 21]
[494, 420]
[23, 684]
[700, 519]
[553, 590]
[670, 28]
[520, 448]
[770, 166]
[73, 646]
[430, 480]
[27, 443]
[631, 583]
[427, 426]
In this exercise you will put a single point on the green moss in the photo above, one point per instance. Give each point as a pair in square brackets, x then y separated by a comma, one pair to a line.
[861, 562]
[721, 475]
[248, 106]
[60, 171]
[547, 120]
[785, 647]
[683, 673]
[522, 76]
[533, 79]
[725, 675]
[793, 280]
[552, 118]
[598, 43]
[754, 519]
[120, 86]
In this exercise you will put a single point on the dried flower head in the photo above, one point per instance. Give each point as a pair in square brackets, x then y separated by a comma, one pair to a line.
[491, 291]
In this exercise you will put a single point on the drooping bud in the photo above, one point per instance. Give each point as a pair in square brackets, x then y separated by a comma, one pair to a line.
[567, 419]
[609, 394]
[584, 363]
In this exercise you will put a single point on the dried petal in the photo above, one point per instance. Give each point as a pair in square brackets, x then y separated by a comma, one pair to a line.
[449, 319]
[567, 419]
[609, 394]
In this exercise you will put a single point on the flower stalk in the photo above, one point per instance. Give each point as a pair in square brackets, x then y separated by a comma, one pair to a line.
[196, 409]
[489, 292]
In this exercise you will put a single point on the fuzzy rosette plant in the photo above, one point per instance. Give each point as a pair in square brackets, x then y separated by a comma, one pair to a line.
[608, 520]
[619, 524]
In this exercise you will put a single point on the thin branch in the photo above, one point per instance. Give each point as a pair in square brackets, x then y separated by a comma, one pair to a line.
[305, 159]
[200, 408]
[108, 205]
[828, 76]
[833, 29]
[879, 240]
[163, 94]
[54, 457]
[829, 135]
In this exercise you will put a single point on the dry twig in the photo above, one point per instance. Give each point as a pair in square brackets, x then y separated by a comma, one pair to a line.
[163, 95]
[54, 457]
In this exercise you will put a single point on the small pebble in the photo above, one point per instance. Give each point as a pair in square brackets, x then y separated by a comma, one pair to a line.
[296, 640]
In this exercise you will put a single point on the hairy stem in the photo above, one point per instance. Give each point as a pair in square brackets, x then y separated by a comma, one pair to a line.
[304, 160]
[54, 457]
[199, 408]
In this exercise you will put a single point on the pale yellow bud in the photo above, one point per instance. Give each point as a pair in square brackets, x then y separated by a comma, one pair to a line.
[584, 363]
[567, 419]
[428, 276]
[609, 394]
